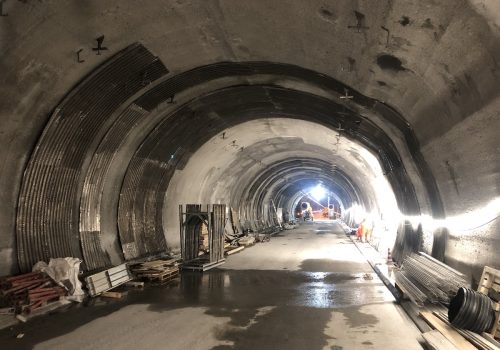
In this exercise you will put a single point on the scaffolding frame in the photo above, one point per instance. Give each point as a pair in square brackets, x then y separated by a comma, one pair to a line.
[191, 217]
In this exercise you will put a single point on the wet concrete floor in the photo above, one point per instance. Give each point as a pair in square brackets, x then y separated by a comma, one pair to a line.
[308, 288]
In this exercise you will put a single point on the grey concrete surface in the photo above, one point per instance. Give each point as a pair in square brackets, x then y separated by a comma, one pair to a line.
[308, 288]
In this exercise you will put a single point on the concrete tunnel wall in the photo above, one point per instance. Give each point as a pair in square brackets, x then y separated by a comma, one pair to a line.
[224, 168]
[423, 80]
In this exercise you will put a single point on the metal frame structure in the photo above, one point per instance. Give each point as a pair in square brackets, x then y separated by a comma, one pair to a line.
[191, 218]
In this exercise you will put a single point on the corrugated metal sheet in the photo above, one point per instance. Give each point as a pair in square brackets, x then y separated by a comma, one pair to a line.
[47, 221]
[94, 253]
[49, 205]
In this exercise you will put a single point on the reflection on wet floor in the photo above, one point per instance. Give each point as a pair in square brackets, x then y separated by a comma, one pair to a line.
[237, 294]
[308, 307]
[310, 289]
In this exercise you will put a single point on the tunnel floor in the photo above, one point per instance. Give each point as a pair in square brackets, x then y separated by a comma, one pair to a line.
[308, 288]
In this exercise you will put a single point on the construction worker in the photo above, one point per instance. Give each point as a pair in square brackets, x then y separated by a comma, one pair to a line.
[361, 232]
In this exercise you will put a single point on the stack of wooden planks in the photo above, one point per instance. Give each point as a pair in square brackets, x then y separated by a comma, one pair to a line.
[162, 271]
[27, 292]
[446, 336]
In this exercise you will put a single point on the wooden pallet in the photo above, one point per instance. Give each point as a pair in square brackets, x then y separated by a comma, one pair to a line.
[159, 275]
[490, 285]
[202, 265]
[161, 271]
[166, 278]
[108, 279]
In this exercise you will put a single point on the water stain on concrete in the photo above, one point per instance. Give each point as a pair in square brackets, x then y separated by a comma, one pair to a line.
[278, 328]
[356, 318]
[303, 300]
[330, 265]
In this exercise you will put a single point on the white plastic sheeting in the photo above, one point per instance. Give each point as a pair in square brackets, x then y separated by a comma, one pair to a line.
[64, 271]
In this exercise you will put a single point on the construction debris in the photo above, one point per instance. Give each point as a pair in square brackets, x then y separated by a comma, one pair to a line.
[436, 341]
[479, 314]
[113, 295]
[235, 250]
[423, 278]
[65, 272]
[409, 289]
[27, 292]
[135, 284]
[489, 285]
[477, 340]
[42, 310]
[157, 271]
[246, 241]
[447, 331]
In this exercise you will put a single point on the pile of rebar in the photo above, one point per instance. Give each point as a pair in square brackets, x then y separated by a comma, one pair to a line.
[29, 291]
[409, 289]
[423, 278]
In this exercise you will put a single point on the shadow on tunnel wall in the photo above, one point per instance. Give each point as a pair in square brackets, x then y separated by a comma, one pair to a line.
[408, 240]
[440, 240]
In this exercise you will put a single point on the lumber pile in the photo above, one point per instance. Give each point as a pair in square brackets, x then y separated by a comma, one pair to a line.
[27, 292]
[455, 338]
[437, 341]
[162, 271]
[447, 331]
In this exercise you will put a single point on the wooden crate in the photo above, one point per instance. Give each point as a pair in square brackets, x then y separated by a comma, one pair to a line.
[490, 285]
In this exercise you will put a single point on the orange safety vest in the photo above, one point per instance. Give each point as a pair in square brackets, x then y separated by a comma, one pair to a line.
[361, 230]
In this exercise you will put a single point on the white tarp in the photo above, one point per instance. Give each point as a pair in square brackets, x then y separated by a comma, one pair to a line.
[65, 272]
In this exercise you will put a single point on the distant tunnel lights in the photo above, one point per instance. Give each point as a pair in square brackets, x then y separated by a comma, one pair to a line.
[318, 192]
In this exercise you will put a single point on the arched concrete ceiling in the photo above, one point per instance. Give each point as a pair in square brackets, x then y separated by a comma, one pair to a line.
[415, 82]
[274, 158]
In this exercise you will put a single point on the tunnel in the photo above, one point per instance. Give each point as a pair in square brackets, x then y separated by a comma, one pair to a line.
[116, 112]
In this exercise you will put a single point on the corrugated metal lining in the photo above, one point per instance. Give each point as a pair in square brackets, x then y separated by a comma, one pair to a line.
[189, 127]
[150, 170]
[50, 196]
[389, 158]
[94, 253]
[48, 211]
[140, 208]
[297, 172]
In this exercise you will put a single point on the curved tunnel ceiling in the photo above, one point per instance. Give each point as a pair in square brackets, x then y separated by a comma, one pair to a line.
[83, 123]
[90, 180]
[267, 160]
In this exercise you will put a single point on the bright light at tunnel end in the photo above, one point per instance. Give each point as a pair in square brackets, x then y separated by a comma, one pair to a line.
[318, 192]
